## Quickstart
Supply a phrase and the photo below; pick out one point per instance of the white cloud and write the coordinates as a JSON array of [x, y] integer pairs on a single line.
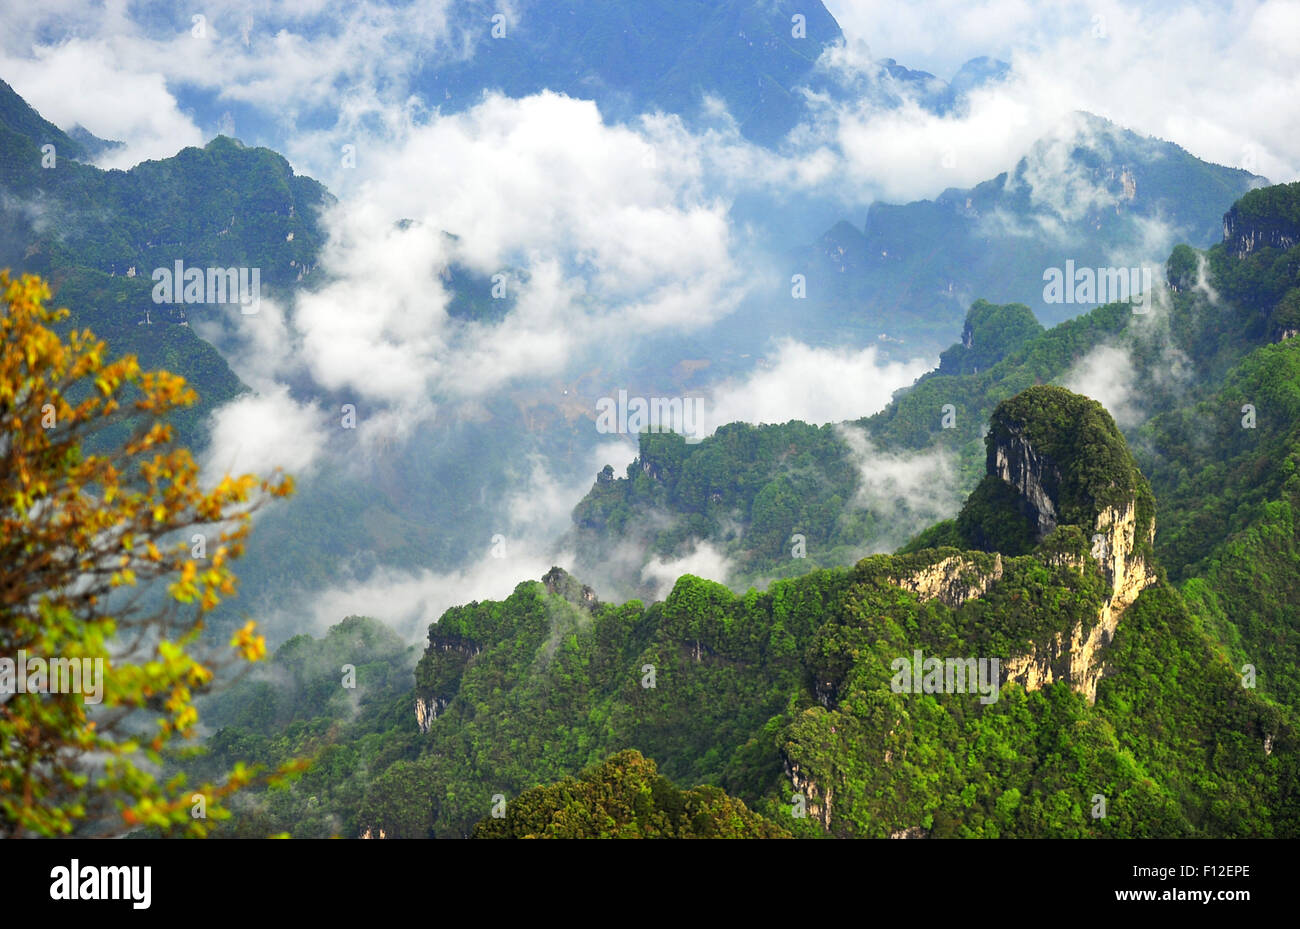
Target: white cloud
[[118, 70], [815, 385], [1218, 79], [79, 83], [409, 602], [600, 243], [260, 432], [1107, 375], [905, 491], [907, 153], [704, 560]]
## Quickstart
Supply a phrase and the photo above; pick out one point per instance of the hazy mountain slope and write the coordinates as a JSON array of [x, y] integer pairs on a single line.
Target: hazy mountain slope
[[748, 490], [796, 691], [99, 235], [1097, 195], [19, 118]]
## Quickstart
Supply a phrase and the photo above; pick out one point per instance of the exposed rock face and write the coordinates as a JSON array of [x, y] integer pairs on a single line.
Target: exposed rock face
[[444, 661], [1129, 181], [1036, 447], [427, 710], [826, 692], [1031, 474], [376, 834], [1077, 658], [1242, 235], [817, 806], [952, 581], [911, 832]]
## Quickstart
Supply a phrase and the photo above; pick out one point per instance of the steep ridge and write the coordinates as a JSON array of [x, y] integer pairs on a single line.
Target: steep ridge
[[747, 489], [1084, 673], [800, 685], [1065, 460], [910, 269]]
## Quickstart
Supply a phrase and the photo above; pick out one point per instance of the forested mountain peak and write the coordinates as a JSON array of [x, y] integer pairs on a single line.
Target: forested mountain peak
[[1065, 459], [1267, 216], [18, 116], [625, 797]]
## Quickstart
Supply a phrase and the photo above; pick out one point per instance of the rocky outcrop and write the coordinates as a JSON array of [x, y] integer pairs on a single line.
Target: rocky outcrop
[[1069, 467], [561, 583], [1077, 656], [439, 671], [1242, 238], [1068, 463], [1246, 227], [911, 832], [1129, 181], [427, 710], [816, 805], [953, 580], [1016, 462]]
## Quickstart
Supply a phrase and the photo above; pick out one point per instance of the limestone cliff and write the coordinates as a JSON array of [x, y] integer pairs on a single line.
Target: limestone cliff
[[438, 673], [427, 710], [1265, 217], [1065, 464], [1242, 236], [1017, 463], [816, 805], [1077, 657], [952, 580]]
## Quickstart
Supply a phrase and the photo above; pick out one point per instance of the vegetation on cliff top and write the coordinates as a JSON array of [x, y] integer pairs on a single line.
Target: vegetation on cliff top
[[625, 797]]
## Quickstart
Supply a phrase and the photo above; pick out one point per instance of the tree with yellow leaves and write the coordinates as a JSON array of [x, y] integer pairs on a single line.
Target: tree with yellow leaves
[[105, 564]]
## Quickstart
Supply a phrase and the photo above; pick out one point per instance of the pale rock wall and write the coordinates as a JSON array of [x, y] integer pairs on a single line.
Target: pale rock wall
[[1078, 659], [952, 581], [1024, 469], [1242, 237], [1075, 657], [817, 806], [427, 710]]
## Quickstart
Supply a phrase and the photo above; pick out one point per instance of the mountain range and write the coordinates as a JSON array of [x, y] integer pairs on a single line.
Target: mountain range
[[1122, 612], [1047, 589]]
